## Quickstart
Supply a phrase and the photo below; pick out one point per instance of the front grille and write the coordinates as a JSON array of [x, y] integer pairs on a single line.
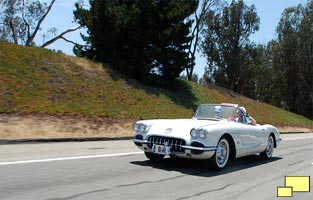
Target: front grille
[[175, 143]]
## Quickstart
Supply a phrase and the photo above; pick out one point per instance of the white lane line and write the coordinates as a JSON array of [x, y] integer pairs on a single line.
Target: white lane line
[[96, 156], [68, 158], [303, 138]]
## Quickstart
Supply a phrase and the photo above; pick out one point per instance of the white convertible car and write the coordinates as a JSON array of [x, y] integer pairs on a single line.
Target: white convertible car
[[216, 132]]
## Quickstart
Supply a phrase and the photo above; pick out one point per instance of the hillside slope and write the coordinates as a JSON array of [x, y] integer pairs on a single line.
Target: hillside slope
[[39, 81]]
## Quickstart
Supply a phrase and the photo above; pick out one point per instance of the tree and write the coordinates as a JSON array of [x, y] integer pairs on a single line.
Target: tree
[[305, 59], [227, 41], [265, 76], [145, 39], [199, 16], [248, 70], [194, 78], [294, 60], [21, 20]]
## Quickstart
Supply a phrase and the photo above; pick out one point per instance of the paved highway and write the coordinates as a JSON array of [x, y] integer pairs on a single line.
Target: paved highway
[[118, 170]]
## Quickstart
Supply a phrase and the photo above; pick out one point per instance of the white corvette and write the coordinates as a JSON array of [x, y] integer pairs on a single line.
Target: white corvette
[[216, 132]]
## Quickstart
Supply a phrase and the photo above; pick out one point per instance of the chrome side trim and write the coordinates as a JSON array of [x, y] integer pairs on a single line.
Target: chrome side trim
[[199, 148]]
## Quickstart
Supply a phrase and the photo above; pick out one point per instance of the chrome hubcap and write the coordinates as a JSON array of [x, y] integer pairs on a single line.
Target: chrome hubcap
[[270, 146], [222, 153]]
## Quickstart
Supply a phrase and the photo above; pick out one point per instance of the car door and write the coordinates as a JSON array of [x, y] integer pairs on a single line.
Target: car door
[[256, 137], [251, 136]]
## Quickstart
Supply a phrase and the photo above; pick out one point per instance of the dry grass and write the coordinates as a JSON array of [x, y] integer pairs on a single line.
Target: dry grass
[[14, 126], [75, 97]]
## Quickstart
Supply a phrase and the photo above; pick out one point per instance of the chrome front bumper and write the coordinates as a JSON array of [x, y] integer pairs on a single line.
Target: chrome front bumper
[[188, 147]]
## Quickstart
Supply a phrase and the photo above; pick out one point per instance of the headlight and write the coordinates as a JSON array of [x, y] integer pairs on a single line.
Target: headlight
[[202, 133], [194, 133], [136, 127], [198, 133], [140, 128]]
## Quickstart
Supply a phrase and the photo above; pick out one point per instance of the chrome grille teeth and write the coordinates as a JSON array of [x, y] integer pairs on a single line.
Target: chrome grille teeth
[[175, 143]]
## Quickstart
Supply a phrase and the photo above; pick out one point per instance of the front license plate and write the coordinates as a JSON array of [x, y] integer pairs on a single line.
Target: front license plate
[[160, 149]]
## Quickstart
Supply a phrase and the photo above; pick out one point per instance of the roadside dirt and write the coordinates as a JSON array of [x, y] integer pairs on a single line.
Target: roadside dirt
[[15, 126]]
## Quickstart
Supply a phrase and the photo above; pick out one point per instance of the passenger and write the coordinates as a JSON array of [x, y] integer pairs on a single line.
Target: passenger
[[239, 117], [251, 120]]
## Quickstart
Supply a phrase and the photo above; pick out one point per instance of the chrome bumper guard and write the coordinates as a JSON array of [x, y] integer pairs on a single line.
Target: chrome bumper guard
[[140, 141], [183, 146]]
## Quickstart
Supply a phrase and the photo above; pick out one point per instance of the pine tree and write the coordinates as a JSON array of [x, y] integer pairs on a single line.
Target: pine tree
[[145, 39]]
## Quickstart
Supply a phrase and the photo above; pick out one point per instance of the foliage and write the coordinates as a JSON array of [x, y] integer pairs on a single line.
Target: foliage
[[199, 15], [264, 78], [20, 21], [291, 61], [147, 40], [229, 53], [35, 80], [279, 73]]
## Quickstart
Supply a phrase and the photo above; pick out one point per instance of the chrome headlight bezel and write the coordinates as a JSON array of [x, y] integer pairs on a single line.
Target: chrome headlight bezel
[[141, 127], [202, 133], [198, 133], [194, 133]]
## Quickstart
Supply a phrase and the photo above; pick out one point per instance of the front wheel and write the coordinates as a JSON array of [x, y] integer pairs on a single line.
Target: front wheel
[[268, 152], [154, 157], [221, 156]]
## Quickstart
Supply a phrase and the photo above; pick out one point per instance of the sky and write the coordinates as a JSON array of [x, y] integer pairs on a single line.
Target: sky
[[61, 17]]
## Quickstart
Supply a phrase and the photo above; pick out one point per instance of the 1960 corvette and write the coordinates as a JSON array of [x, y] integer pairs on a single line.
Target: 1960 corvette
[[216, 132]]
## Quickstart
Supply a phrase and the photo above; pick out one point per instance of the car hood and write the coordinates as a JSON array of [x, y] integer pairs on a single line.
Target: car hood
[[178, 128]]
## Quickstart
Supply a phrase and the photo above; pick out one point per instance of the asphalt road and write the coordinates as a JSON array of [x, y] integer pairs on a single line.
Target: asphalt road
[[118, 170]]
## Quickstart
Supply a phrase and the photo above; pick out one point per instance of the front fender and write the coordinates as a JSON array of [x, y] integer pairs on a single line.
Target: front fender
[[270, 129]]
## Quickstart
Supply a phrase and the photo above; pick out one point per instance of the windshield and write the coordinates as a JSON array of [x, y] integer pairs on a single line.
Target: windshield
[[219, 112]]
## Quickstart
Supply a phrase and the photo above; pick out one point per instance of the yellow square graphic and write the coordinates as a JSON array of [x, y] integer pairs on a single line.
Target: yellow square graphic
[[284, 191], [298, 183]]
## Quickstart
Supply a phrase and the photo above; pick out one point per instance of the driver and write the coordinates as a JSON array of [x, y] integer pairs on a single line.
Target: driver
[[218, 112]]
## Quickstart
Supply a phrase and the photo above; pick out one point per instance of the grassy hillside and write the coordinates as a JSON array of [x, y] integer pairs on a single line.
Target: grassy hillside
[[34, 80]]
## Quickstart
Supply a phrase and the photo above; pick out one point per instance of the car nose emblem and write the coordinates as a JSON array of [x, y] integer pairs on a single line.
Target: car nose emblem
[[168, 130]]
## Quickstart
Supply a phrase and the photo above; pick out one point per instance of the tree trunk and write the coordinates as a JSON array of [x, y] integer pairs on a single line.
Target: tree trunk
[[14, 35]]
